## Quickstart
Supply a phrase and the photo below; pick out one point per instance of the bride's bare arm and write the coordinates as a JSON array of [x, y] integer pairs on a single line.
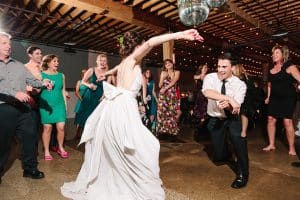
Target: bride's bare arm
[[141, 51]]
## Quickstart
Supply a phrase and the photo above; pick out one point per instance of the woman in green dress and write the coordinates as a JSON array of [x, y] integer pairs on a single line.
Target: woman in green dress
[[94, 91], [53, 105], [80, 92]]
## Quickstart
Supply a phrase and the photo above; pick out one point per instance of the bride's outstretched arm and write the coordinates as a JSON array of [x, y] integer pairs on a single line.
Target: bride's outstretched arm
[[142, 50]]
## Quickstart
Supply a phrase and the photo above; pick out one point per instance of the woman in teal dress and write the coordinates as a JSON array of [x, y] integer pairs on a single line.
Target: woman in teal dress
[[53, 105], [94, 91], [150, 98], [80, 92]]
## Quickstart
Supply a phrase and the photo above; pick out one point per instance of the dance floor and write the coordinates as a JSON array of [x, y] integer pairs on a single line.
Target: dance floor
[[186, 170]]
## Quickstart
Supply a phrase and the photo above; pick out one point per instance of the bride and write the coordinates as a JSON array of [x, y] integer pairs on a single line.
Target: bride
[[121, 158]]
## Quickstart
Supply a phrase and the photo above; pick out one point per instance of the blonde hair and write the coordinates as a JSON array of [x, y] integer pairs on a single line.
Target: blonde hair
[[240, 71], [101, 55], [284, 50]]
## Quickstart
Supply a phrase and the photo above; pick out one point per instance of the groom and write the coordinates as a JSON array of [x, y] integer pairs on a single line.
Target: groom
[[225, 94]]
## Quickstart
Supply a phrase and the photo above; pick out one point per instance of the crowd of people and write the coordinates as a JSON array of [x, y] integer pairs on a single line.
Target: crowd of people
[[120, 116]]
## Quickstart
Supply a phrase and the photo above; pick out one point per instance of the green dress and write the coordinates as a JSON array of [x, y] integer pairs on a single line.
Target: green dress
[[89, 101], [52, 102], [78, 115]]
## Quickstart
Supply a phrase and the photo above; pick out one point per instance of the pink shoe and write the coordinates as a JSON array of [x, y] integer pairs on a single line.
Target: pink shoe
[[48, 158], [63, 154]]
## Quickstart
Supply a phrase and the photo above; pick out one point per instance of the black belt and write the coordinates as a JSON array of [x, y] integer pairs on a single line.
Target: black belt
[[14, 102]]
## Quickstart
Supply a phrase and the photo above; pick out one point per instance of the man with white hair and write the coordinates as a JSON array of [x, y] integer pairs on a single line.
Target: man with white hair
[[15, 117]]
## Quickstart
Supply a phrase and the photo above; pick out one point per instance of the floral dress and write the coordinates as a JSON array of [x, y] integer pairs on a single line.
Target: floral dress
[[167, 109]]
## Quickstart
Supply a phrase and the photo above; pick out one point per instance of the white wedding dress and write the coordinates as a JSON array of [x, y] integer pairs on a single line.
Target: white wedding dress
[[121, 160]]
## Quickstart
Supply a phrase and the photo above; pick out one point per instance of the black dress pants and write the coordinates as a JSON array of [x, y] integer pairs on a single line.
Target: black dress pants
[[219, 128], [13, 121]]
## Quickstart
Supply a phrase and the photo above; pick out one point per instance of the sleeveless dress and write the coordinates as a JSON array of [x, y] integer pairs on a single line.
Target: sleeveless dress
[[82, 91], [121, 160], [90, 101], [168, 104], [283, 95], [151, 101], [52, 103]]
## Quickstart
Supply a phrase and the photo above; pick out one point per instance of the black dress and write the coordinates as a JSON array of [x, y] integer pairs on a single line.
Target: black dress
[[283, 95], [250, 105]]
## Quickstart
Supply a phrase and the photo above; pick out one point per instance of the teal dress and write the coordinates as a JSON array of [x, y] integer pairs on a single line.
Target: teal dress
[[90, 101], [151, 100], [52, 103], [78, 115]]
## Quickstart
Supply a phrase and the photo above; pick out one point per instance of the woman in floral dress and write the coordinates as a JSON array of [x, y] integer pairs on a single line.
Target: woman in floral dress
[[168, 101]]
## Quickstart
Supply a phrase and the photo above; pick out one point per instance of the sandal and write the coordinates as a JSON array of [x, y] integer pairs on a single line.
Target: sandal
[[63, 154]]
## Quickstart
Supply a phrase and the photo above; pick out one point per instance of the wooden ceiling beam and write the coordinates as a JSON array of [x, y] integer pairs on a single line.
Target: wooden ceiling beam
[[115, 10], [245, 16]]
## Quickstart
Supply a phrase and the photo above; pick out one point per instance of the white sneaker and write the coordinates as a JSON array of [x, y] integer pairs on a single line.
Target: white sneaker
[[297, 133]]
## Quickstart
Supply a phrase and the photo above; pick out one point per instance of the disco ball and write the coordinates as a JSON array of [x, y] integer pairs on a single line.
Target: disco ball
[[192, 12], [215, 3]]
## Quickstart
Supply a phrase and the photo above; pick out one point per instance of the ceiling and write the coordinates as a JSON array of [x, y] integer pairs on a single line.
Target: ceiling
[[245, 27]]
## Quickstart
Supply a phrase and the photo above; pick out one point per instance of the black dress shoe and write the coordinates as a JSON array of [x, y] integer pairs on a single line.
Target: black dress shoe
[[240, 182], [34, 174]]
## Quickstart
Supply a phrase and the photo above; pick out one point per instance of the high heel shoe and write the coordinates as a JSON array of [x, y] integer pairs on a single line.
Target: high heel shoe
[[63, 154]]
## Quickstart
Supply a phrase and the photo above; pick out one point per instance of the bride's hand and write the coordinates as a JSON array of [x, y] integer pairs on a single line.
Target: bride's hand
[[191, 34]]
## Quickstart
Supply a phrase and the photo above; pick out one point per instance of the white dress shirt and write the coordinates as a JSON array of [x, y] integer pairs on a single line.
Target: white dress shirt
[[235, 88]]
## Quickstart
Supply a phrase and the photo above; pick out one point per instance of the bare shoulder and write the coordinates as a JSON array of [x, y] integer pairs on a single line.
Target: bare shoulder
[[177, 72]]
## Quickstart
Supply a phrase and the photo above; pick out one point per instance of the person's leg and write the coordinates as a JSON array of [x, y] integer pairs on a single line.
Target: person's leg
[[290, 134], [271, 127], [28, 137], [216, 128], [60, 138], [53, 140], [46, 139], [8, 119], [240, 147]]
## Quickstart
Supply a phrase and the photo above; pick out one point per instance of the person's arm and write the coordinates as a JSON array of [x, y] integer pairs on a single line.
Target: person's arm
[[142, 50], [174, 80], [293, 70], [77, 90], [172, 83], [268, 93], [144, 93], [153, 93], [86, 79], [163, 75], [64, 92], [109, 79], [224, 101]]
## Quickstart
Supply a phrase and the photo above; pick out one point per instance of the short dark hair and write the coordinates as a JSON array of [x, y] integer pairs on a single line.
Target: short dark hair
[[226, 56], [31, 49]]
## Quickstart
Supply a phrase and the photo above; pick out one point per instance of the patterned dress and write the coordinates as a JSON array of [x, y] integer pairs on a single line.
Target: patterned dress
[[168, 105]]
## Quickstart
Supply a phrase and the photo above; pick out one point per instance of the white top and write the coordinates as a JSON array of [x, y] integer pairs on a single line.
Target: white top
[[235, 88]]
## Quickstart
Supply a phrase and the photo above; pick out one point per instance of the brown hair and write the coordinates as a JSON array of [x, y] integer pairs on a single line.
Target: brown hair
[[46, 59], [284, 50], [199, 69], [131, 39], [32, 49], [165, 62]]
